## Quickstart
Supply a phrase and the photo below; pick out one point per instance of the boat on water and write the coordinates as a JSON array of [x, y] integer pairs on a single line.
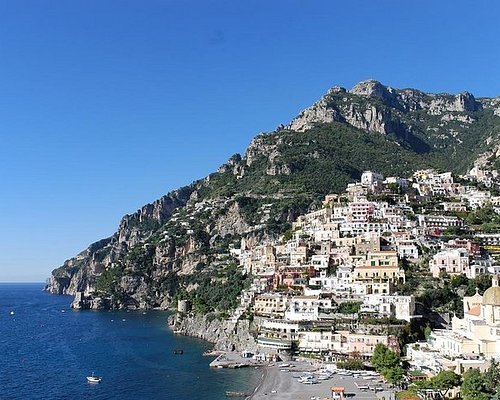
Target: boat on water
[[94, 379]]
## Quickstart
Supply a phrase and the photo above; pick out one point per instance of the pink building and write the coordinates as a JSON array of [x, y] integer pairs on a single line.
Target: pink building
[[365, 344], [360, 211], [452, 262]]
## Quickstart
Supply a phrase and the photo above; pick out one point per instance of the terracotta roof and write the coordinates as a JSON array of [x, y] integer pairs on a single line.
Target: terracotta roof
[[476, 310]]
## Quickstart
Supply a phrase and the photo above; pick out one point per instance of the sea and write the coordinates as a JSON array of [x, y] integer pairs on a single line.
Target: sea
[[47, 350]]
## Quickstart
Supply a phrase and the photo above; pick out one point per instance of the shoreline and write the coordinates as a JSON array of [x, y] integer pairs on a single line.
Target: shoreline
[[278, 382], [260, 383]]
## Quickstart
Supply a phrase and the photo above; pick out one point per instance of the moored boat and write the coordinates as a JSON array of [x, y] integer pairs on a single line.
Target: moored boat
[[94, 379]]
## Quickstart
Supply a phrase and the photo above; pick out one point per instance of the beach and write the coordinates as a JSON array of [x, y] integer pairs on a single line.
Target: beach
[[281, 383]]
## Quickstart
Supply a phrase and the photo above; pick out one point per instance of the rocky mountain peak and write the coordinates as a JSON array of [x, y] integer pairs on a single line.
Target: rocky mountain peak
[[336, 90], [370, 116], [465, 101], [372, 106], [371, 88]]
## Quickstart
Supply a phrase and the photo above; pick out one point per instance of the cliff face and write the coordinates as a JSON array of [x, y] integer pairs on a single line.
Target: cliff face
[[139, 266], [225, 335], [376, 108], [79, 274], [166, 246]]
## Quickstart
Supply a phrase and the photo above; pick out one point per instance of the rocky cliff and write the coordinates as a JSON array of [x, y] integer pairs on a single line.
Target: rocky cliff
[[180, 244], [225, 335], [373, 107]]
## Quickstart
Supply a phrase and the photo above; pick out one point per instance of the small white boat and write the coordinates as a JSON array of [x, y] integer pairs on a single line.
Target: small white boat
[[307, 379], [94, 379]]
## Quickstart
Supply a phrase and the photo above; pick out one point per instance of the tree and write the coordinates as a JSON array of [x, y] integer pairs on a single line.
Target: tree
[[492, 378], [474, 386], [287, 235], [427, 332], [394, 374], [351, 364], [444, 381], [387, 363], [349, 307]]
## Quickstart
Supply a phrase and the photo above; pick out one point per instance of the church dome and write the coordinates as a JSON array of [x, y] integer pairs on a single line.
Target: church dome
[[492, 296]]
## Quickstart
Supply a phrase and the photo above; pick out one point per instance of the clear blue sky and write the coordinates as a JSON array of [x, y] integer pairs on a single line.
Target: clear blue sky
[[107, 105]]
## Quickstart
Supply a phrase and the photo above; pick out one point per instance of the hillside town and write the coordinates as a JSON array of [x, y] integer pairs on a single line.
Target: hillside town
[[337, 284]]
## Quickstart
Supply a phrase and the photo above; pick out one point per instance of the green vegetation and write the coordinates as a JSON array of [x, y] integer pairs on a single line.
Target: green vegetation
[[325, 158], [407, 395], [443, 382], [107, 281], [482, 386], [349, 307], [107, 284], [446, 294], [212, 291], [351, 364], [474, 385], [485, 218], [387, 362]]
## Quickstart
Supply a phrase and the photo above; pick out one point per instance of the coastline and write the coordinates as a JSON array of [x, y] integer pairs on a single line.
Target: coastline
[[260, 383], [279, 383]]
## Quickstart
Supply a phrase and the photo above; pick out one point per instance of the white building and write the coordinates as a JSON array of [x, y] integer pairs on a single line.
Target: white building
[[439, 221], [369, 178], [341, 284], [306, 308], [323, 341], [399, 307], [407, 249], [320, 263], [480, 327], [474, 339], [401, 182], [477, 198], [344, 342]]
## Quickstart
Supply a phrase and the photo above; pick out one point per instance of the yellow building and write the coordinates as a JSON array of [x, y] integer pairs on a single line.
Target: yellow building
[[379, 272], [270, 305]]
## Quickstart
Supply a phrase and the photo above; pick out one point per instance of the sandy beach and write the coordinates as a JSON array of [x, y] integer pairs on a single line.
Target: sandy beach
[[282, 384]]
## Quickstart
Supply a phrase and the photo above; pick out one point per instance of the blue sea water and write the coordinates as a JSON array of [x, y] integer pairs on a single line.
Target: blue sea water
[[48, 349]]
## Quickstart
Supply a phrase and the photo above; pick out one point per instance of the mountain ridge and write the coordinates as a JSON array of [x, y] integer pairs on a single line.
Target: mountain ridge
[[188, 232]]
